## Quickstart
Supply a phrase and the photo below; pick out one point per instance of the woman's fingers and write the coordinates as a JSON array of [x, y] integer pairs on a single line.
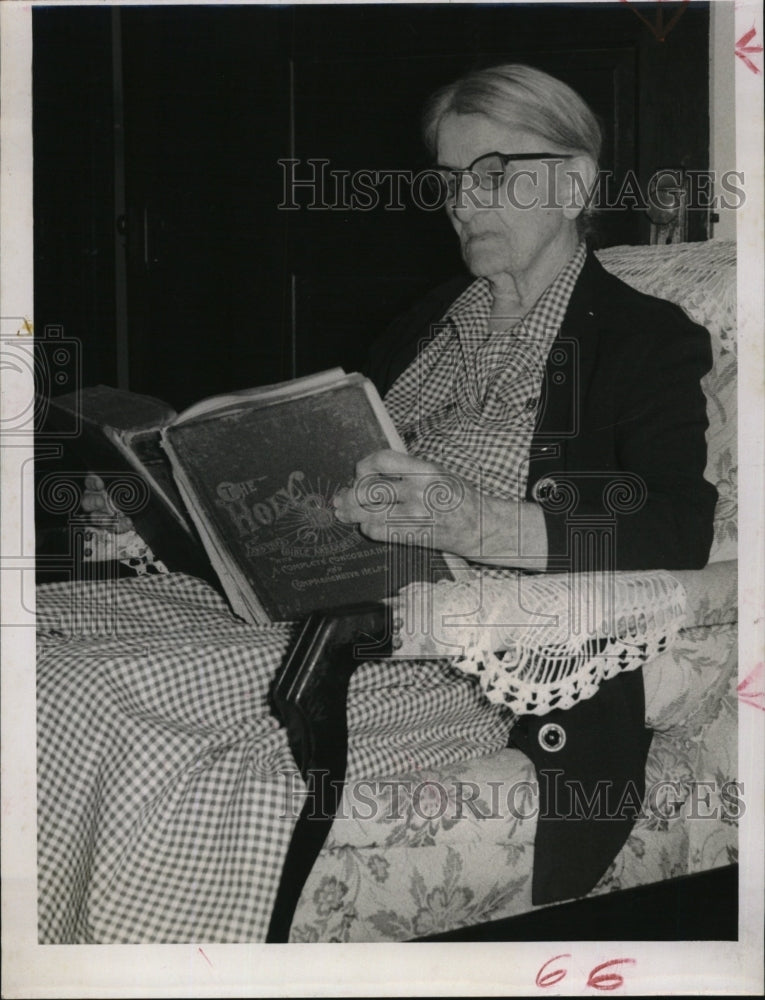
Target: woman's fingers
[[392, 463], [385, 480], [95, 502], [92, 501], [392, 488], [347, 509]]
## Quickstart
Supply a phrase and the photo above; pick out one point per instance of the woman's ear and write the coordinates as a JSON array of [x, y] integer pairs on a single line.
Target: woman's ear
[[578, 179]]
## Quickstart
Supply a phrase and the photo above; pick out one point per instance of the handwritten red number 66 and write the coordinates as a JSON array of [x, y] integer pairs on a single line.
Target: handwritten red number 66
[[598, 979]]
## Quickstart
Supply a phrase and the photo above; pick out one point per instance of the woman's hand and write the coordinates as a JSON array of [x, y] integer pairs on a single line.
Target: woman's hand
[[95, 502], [395, 490]]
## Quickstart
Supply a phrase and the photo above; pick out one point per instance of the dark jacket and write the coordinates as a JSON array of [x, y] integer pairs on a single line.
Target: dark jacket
[[617, 462]]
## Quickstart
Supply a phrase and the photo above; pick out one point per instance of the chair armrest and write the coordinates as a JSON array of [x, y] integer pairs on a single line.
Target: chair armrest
[[712, 593], [543, 641], [684, 685], [711, 599]]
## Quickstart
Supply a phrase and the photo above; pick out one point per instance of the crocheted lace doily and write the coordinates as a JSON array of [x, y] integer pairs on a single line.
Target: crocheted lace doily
[[106, 543], [699, 277], [541, 642]]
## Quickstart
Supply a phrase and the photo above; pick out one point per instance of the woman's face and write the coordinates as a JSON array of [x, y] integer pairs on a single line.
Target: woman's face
[[520, 226]]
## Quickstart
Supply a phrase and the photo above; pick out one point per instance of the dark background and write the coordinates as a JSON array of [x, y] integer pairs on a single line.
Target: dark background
[[159, 244]]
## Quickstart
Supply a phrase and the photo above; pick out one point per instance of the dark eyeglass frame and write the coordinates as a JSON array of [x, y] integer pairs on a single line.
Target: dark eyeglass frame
[[495, 176]]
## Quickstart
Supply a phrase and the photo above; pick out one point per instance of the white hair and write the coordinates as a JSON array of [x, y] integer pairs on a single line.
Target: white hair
[[521, 97]]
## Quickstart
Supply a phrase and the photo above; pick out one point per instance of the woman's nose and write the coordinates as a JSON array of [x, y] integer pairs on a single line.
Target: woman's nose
[[469, 199]]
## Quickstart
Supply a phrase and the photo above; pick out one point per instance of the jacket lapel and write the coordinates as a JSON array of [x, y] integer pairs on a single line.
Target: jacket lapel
[[567, 375], [568, 370]]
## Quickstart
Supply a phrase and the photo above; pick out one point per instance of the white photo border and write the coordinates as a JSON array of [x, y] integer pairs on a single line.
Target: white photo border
[[213, 970]]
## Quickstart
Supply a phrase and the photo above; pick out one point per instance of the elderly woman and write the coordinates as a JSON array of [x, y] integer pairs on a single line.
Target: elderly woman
[[564, 409], [539, 385]]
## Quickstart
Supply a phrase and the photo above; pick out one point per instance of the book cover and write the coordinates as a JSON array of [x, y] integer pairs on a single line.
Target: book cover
[[259, 478]]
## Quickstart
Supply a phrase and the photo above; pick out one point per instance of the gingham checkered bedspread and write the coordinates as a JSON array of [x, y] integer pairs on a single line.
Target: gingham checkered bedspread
[[167, 793]]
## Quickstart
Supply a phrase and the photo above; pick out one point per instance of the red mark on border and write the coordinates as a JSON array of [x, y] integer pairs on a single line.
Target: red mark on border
[[600, 980], [597, 980], [205, 957], [551, 978], [751, 690], [658, 28], [744, 49]]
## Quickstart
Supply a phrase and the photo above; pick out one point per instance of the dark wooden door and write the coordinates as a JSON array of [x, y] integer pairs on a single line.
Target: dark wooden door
[[74, 239], [206, 106]]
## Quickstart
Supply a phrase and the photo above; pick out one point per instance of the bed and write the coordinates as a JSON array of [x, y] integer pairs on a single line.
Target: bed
[[168, 794]]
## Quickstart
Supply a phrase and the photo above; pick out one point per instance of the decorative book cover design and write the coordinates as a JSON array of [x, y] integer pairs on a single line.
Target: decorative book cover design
[[258, 477]]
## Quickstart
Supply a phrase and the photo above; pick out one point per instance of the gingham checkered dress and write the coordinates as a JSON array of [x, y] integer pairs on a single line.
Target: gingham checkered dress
[[469, 401], [167, 793]]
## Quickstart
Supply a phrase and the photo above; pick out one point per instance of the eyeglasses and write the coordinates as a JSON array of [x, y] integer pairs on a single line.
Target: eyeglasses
[[487, 170]]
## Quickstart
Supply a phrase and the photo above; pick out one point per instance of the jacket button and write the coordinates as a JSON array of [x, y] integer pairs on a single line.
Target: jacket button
[[552, 737], [543, 489]]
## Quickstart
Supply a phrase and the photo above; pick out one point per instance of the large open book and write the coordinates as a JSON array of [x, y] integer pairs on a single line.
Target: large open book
[[249, 478]]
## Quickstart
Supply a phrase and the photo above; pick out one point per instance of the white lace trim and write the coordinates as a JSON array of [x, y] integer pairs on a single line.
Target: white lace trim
[[536, 643], [104, 544]]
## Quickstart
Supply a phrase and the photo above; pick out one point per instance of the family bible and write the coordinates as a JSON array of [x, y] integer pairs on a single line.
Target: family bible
[[243, 483]]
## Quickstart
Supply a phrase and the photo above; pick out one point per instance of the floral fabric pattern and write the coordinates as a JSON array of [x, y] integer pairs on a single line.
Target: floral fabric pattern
[[722, 469], [455, 846]]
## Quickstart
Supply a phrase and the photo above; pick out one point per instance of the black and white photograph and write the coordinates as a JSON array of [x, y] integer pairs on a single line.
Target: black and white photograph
[[382, 533]]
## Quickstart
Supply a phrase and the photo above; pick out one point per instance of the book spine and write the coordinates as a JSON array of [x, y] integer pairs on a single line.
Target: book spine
[[383, 417]]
